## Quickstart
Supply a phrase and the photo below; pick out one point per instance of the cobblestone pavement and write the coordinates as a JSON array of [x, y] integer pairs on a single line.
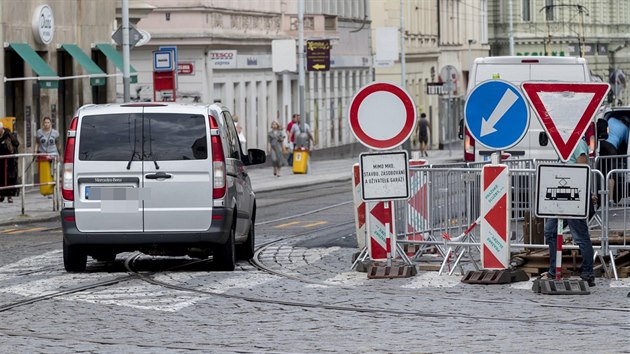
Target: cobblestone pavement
[[426, 313]]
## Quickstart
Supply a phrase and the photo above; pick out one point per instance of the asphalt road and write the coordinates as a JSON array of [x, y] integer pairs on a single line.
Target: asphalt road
[[313, 303]]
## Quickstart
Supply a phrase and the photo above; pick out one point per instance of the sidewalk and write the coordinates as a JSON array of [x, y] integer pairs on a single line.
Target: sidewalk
[[40, 208]]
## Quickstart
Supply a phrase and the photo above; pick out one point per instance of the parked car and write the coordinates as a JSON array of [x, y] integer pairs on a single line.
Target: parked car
[[160, 178]]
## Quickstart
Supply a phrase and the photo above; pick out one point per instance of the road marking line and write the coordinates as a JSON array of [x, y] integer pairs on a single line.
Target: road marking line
[[316, 223], [17, 231], [286, 225], [8, 230]]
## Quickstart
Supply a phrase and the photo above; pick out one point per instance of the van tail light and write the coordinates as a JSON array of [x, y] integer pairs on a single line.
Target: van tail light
[[218, 160], [469, 146], [67, 188]]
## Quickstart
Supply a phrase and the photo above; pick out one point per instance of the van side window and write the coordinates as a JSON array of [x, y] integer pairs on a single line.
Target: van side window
[[232, 135]]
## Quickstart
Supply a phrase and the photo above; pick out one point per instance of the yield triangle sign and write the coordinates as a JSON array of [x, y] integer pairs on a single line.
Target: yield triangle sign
[[564, 110]]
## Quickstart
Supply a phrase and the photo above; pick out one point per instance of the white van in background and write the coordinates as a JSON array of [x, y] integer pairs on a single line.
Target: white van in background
[[517, 69]]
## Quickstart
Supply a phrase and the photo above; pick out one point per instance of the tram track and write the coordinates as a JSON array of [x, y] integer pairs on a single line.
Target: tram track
[[149, 277]]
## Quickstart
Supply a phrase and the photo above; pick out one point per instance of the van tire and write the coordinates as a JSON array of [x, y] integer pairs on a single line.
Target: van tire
[[74, 258], [225, 255], [245, 251]]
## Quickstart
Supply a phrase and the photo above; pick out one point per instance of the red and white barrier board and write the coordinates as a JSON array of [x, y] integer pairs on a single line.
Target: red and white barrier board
[[380, 230], [417, 211], [495, 222], [359, 206]]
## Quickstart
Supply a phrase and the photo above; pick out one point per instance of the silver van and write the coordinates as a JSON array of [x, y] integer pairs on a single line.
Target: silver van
[[163, 179]]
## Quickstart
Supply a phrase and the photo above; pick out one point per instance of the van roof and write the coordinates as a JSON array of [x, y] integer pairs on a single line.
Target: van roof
[[530, 60], [170, 105]]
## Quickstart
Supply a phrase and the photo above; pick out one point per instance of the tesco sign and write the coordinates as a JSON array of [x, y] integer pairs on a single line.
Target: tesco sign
[[224, 59]]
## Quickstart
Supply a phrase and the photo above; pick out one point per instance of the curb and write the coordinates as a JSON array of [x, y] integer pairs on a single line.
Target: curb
[[31, 220]]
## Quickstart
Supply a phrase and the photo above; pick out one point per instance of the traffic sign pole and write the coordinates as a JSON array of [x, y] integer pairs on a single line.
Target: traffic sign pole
[[382, 116], [559, 250]]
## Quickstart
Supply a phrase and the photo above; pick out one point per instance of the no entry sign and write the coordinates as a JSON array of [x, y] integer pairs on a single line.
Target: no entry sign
[[382, 115]]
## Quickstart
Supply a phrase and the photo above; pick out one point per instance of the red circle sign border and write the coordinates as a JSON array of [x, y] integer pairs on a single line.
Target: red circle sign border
[[377, 144]]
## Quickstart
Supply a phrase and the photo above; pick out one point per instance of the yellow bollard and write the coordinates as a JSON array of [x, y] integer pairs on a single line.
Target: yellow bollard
[[300, 160], [45, 175]]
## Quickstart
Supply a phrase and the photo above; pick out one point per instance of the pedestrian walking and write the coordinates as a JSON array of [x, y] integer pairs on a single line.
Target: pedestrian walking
[[615, 144], [8, 166], [301, 134], [241, 134], [291, 140], [47, 142], [423, 134], [275, 147], [579, 231], [47, 138]]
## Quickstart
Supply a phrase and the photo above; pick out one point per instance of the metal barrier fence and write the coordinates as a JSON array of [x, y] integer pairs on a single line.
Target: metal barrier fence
[[442, 215], [25, 162]]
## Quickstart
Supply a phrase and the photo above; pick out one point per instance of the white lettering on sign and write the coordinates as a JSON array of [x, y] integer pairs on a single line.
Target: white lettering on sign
[[493, 193], [385, 176]]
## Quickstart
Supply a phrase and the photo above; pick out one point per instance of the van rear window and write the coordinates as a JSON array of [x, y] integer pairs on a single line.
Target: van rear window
[[155, 136]]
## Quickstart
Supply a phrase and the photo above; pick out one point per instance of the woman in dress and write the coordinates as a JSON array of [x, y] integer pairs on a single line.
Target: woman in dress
[[275, 138]]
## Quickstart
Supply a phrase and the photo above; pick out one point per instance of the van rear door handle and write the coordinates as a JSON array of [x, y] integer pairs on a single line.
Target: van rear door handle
[[159, 175]]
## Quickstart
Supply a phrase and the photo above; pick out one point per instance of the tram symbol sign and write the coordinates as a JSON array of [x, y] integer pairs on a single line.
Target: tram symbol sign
[[565, 110], [382, 115], [562, 191], [496, 114]]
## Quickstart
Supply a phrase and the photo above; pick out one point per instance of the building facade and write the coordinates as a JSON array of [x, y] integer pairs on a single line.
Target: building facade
[[53, 61], [224, 51], [441, 38], [596, 30]]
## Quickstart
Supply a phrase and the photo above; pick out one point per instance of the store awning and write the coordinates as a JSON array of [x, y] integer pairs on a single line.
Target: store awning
[[86, 63], [112, 54], [48, 77]]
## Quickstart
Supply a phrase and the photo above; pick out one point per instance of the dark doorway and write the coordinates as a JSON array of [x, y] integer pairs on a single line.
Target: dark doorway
[[14, 94], [65, 106]]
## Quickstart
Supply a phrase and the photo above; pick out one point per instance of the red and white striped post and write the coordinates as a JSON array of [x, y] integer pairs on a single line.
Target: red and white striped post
[[559, 250]]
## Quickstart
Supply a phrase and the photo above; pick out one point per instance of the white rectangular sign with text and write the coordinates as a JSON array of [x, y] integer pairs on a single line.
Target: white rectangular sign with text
[[384, 176]]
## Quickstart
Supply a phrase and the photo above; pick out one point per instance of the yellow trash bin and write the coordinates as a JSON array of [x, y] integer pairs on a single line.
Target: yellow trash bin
[[8, 123], [45, 175], [300, 160]]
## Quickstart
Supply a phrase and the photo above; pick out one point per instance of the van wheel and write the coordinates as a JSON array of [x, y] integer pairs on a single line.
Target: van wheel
[[245, 251], [74, 258], [225, 255]]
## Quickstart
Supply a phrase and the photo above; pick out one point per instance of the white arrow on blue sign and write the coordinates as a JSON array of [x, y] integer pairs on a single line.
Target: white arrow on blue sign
[[496, 114]]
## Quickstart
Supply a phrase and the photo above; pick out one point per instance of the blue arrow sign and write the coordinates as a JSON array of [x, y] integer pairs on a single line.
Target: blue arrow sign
[[496, 114]]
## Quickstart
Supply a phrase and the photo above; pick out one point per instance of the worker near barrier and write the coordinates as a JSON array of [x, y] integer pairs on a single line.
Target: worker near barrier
[[47, 141], [579, 231], [615, 144], [8, 166]]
